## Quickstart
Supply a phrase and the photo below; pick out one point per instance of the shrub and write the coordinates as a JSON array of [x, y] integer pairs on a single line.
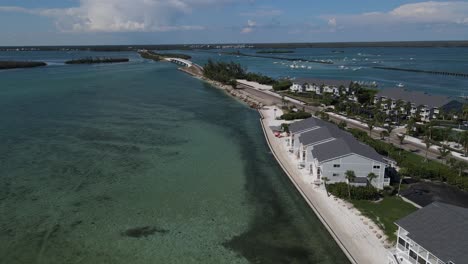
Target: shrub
[[296, 115], [357, 192], [282, 85]]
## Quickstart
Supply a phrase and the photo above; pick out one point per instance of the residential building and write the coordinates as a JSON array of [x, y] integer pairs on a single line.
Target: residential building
[[435, 234], [319, 86], [324, 150], [423, 104]]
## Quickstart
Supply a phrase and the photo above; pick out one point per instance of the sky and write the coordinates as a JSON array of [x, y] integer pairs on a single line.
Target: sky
[[104, 22]]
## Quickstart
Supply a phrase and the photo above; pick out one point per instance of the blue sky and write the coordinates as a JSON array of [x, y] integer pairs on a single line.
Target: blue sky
[[70, 22]]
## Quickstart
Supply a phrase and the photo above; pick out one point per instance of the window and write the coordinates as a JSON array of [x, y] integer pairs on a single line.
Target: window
[[376, 166], [421, 261], [336, 174], [401, 241], [336, 165], [413, 255]]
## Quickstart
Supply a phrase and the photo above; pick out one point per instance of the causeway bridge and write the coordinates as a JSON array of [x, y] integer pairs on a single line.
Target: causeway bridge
[[182, 62]]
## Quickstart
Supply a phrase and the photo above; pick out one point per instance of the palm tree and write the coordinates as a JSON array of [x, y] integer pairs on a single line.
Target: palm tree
[[390, 129], [325, 180], [465, 111], [452, 162], [428, 143], [401, 137], [383, 134], [371, 125], [444, 153], [461, 166], [350, 176], [370, 177], [410, 125], [464, 142], [403, 172], [399, 104], [446, 133]]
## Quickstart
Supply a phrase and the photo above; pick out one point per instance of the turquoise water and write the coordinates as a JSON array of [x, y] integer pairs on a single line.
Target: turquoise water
[[140, 163]]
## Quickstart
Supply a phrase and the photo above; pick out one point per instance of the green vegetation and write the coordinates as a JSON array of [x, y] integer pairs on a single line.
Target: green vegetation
[[296, 115], [343, 190], [259, 78], [161, 56], [224, 72], [91, 60], [282, 85], [20, 64], [385, 212], [416, 165], [274, 51]]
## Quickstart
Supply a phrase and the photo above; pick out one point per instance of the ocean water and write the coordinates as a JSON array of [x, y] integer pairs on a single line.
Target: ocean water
[[356, 64], [140, 163]]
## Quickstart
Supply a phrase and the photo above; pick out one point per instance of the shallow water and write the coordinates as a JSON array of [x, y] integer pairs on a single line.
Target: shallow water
[[140, 163]]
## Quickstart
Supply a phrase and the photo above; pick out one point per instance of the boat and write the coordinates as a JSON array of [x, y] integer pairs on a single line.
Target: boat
[[401, 85]]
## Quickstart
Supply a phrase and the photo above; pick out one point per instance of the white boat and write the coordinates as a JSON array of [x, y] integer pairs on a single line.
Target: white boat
[[401, 85]]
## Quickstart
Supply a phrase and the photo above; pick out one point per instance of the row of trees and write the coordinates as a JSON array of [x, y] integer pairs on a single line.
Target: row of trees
[[20, 64], [92, 60], [229, 72], [419, 167], [368, 192]]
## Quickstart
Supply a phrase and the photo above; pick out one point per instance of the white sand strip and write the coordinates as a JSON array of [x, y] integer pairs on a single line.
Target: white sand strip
[[355, 234]]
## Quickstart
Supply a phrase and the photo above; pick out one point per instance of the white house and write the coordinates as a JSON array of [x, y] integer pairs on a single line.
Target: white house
[[429, 105], [327, 151], [435, 234], [319, 86]]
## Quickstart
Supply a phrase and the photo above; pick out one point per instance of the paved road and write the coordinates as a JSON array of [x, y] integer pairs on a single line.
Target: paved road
[[270, 99]]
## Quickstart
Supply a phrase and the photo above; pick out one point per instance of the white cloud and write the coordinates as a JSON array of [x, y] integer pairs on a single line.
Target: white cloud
[[121, 15], [251, 23], [263, 12], [247, 30], [425, 13], [250, 27]]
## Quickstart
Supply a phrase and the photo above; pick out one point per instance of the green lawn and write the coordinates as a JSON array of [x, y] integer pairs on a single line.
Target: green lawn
[[385, 213]]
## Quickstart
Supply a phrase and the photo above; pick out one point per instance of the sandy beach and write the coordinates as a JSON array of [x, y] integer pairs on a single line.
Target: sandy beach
[[359, 238]]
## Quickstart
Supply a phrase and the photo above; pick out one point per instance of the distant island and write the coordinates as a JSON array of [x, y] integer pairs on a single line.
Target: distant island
[[146, 54], [238, 53], [274, 51], [20, 64], [335, 45], [91, 60]]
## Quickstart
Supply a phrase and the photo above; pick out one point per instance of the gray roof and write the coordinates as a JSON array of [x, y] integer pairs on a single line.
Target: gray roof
[[319, 134], [336, 83], [415, 97], [303, 125], [343, 144], [440, 228]]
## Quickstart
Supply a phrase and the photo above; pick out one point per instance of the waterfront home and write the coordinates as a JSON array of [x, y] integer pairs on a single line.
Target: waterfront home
[[414, 103], [324, 150], [319, 86], [435, 234]]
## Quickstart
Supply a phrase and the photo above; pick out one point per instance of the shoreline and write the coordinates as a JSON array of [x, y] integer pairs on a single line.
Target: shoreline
[[316, 212], [250, 100], [355, 234]]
